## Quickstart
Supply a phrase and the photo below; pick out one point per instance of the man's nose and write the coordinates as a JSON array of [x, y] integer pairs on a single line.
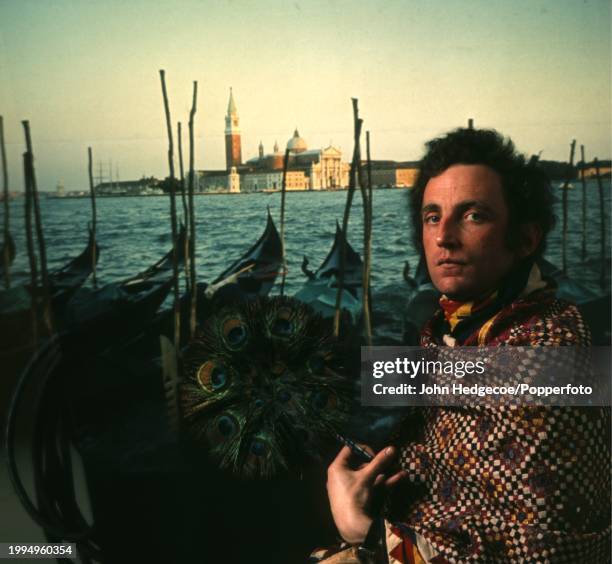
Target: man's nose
[[448, 235]]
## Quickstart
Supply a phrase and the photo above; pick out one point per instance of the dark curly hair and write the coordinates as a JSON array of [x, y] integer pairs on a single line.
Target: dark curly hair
[[526, 188]]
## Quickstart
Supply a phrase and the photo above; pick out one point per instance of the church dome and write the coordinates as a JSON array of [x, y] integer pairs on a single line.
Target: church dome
[[296, 144]]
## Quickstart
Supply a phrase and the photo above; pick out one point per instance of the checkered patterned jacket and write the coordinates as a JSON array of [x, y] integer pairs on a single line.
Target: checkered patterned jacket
[[508, 484]]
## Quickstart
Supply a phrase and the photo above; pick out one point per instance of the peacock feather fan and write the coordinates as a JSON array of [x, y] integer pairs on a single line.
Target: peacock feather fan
[[264, 386]]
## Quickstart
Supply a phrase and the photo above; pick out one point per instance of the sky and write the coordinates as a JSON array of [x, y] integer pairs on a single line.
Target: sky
[[86, 73]]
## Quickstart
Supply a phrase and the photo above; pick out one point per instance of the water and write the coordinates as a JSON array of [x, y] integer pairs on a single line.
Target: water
[[135, 232]]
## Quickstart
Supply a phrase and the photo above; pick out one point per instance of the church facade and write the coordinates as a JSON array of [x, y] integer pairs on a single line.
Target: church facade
[[308, 169], [315, 169]]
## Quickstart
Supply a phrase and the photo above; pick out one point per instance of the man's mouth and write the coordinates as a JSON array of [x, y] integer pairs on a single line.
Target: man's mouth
[[450, 262]]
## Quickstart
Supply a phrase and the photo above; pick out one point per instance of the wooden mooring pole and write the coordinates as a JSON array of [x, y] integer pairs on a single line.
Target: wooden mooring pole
[[42, 250], [367, 246], [564, 190], [92, 193], [179, 137], [186, 216], [355, 166], [602, 225], [176, 307], [192, 227], [8, 242], [282, 221], [30, 248], [583, 249]]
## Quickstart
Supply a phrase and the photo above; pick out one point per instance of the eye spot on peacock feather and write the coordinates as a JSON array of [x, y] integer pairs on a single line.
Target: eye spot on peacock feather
[[278, 368], [284, 396], [227, 426], [213, 376], [223, 428], [323, 399], [316, 364], [235, 333], [258, 448], [282, 326]]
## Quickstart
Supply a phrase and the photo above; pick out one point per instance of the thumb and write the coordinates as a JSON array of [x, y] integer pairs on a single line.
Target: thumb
[[343, 458]]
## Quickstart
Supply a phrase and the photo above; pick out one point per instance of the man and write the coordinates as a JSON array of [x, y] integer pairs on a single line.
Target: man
[[486, 484]]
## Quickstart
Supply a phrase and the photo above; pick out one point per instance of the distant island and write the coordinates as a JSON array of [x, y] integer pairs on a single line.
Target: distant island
[[384, 176], [307, 170]]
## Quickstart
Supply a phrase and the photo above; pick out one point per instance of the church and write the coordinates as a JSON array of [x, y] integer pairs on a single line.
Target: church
[[308, 169]]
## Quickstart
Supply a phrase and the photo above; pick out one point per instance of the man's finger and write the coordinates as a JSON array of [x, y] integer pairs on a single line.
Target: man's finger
[[381, 461], [367, 448], [396, 478], [347, 457]]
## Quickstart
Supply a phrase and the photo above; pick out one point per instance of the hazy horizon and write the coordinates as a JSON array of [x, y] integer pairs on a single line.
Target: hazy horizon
[[87, 74]]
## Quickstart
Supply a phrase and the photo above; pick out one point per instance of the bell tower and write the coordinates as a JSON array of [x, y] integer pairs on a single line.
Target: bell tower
[[233, 150]]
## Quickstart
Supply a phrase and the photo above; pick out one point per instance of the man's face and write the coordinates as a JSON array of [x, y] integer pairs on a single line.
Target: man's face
[[465, 220]]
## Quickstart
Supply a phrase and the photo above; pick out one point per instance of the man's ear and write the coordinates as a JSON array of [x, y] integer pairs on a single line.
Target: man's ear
[[530, 238]]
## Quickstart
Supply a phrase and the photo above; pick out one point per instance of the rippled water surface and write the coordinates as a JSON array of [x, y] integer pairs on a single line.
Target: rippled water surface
[[135, 232]]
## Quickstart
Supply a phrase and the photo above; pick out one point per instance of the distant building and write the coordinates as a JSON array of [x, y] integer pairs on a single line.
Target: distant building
[[590, 171], [233, 182], [212, 180], [314, 169], [12, 195], [256, 181], [144, 186], [392, 174], [307, 169], [233, 147]]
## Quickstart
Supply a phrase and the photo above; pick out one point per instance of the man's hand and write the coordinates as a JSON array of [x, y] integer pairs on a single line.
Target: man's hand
[[352, 490]]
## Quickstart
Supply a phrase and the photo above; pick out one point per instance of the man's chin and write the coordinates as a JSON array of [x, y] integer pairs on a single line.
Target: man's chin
[[456, 292], [460, 293], [458, 297]]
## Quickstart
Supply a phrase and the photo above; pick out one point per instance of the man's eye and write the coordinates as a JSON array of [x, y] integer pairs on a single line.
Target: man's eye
[[431, 218], [476, 217]]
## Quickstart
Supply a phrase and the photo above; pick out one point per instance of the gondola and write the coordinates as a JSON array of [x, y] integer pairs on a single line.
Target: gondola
[[321, 288], [16, 302], [8, 245], [254, 273], [118, 424], [422, 303], [567, 288], [595, 308], [123, 314], [251, 276], [65, 281], [100, 317]]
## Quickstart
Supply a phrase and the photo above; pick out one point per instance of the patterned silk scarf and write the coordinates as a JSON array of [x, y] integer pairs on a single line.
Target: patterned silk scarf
[[461, 319]]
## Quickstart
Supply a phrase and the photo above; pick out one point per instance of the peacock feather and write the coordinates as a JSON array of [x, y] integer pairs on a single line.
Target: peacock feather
[[264, 385]]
